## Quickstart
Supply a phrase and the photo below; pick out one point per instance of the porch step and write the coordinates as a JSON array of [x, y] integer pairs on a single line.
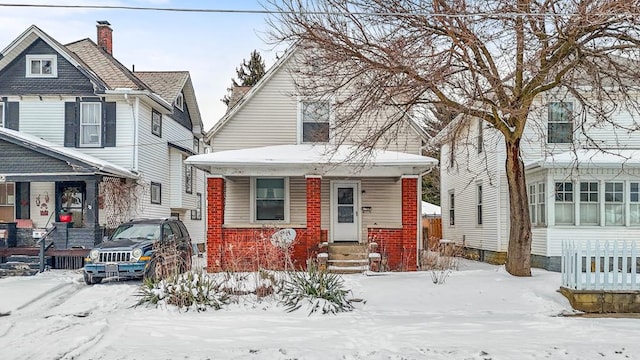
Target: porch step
[[349, 258]]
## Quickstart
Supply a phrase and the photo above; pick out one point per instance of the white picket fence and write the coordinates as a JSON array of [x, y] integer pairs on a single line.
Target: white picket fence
[[600, 265]]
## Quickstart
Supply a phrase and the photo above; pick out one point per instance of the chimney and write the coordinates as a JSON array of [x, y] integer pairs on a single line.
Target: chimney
[[104, 36]]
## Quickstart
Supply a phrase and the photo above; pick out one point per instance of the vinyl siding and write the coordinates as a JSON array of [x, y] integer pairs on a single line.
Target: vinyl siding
[[470, 169], [44, 119]]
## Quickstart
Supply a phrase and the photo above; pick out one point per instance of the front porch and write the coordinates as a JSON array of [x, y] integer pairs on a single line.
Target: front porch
[[327, 198]]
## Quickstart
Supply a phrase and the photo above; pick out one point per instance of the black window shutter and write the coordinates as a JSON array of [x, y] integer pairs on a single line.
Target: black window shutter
[[12, 116], [109, 124], [71, 125]]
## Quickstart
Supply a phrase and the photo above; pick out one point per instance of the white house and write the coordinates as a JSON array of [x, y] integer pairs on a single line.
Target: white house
[[276, 164], [583, 181], [79, 104]]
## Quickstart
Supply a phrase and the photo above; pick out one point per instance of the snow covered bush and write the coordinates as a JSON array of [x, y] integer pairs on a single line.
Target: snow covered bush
[[319, 290], [188, 291]]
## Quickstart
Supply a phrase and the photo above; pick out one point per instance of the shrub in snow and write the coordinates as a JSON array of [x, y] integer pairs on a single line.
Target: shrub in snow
[[319, 290], [187, 291]]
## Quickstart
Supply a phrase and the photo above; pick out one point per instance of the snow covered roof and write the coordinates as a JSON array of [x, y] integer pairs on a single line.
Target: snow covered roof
[[34, 141], [306, 159], [429, 209], [589, 158]]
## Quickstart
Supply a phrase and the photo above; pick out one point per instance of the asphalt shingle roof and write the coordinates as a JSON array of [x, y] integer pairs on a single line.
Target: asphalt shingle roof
[[167, 84]]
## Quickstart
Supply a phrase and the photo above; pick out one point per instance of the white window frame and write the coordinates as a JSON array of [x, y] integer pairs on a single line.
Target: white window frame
[[197, 213], [188, 178], [567, 106], [253, 206], [564, 202], [541, 213], [610, 200], [54, 65], [634, 203], [196, 145], [83, 142], [533, 203], [180, 102], [479, 196], [589, 199], [301, 121], [2, 111]]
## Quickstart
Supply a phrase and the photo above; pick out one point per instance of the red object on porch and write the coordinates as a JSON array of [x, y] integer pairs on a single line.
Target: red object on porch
[[65, 218]]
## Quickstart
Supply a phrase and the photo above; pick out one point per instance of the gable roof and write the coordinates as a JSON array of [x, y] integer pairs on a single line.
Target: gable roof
[[98, 165], [168, 84], [29, 36], [110, 70], [258, 86]]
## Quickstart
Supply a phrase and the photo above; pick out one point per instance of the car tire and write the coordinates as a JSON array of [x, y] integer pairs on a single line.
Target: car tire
[[89, 279], [151, 270]]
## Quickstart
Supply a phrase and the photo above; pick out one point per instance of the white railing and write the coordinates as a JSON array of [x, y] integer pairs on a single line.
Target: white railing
[[600, 265]]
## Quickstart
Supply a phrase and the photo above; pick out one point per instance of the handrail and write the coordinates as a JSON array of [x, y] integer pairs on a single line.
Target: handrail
[[42, 242]]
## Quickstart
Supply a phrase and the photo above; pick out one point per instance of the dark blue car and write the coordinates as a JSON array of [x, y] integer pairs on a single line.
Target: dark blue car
[[140, 248]]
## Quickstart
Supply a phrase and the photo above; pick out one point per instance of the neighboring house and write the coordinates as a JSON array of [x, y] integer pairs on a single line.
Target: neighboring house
[[91, 138], [575, 192], [276, 164]]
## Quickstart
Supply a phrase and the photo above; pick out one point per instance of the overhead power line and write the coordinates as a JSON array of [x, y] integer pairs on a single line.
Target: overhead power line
[[275, 12]]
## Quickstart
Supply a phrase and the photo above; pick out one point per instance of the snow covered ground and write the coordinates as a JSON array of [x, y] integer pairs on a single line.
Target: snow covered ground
[[481, 312]]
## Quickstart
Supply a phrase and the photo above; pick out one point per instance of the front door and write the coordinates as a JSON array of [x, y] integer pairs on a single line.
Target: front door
[[345, 222]]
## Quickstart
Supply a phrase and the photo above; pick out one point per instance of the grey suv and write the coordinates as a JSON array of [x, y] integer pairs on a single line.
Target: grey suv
[[149, 248]]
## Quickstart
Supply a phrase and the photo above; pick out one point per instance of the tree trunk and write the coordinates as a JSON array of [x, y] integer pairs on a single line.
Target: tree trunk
[[519, 251]]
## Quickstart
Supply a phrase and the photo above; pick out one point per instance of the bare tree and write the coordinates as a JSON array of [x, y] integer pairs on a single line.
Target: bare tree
[[486, 59]]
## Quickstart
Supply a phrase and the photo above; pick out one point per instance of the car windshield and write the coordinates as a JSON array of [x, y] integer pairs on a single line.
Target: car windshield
[[137, 232]]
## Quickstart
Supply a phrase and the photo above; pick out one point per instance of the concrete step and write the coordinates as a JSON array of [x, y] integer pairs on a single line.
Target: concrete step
[[348, 263], [347, 249], [347, 269], [358, 256]]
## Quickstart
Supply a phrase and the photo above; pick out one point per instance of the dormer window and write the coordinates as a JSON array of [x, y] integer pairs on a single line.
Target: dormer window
[[315, 117], [180, 102], [42, 66]]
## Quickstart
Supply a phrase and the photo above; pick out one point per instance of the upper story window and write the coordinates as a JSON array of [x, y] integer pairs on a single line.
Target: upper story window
[[480, 138], [91, 124], [180, 102], [156, 123], [1, 114], [315, 118], [42, 66], [188, 179], [560, 123]]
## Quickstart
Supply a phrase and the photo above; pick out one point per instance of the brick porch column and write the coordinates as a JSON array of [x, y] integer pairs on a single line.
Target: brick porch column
[[215, 220], [313, 210], [409, 221]]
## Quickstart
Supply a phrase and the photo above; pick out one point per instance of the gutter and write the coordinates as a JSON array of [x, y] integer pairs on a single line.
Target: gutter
[[153, 96]]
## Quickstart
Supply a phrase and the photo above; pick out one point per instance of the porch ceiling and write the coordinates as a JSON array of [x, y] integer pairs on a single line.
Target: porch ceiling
[[306, 159]]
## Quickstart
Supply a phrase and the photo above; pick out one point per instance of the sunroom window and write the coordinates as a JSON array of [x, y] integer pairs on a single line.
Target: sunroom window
[[614, 203], [589, 203], [634, 203], [564, 203]]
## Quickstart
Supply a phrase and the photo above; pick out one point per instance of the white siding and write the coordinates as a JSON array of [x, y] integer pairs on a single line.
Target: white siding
[[384, 196], [471, 168], [44, 119]]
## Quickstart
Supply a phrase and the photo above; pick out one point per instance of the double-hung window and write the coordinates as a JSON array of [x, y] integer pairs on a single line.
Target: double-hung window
[[156, 123], [156, 193], [533, 198], [270, 199], [188, 179], [560, 123], [589, 203], [41, 66], [541, 213], [564, 203], [452, 208], [614, 203], [91, 124], [479, 203], [316, 116], [634, 203], [537, 212]]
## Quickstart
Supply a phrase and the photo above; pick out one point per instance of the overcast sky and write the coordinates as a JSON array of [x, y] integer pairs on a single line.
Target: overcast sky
[[209, 45]]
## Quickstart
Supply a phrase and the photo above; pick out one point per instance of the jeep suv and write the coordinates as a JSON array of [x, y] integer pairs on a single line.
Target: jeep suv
[[149, 248]]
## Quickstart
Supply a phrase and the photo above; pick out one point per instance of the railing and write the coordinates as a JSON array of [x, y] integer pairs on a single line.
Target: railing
[[43, 246], [600, 265]]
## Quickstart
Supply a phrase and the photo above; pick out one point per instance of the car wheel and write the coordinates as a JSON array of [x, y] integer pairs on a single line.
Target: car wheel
[[91, 280], [153, 270]]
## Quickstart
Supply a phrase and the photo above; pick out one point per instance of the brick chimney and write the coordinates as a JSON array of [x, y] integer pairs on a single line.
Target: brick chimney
[[104, 36]]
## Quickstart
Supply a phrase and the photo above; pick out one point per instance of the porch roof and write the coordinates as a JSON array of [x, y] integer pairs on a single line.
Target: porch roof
[[100, 166], [588, 158], [307, 159]]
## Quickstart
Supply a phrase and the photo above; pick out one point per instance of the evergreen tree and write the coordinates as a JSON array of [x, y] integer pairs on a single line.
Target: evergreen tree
[[248, 74]]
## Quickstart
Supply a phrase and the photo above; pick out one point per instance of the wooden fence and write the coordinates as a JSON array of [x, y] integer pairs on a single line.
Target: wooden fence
[[600, 265], [431, 232]]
